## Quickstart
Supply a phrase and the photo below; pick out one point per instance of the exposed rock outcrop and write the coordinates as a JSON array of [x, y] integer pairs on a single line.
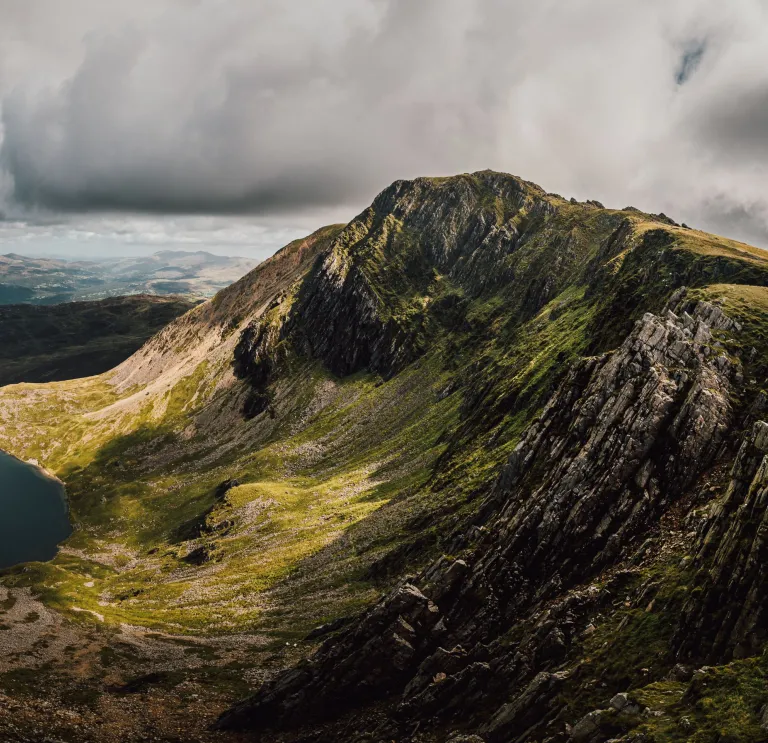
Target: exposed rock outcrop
[[374, 657], [363, 306], [622, 439], [728, 618]]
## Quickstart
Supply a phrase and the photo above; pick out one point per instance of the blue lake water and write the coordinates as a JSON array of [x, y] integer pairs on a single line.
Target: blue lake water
[[34, 517]]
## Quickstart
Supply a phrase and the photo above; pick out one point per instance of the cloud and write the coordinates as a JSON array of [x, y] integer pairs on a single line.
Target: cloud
[[281, 109], [94, 236]]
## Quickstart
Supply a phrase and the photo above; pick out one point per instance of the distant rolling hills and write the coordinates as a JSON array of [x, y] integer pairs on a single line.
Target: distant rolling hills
[[78, 339], [51, 281]]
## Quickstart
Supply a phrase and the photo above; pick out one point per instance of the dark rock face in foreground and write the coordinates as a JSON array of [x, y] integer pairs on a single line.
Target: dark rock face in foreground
[[621, 545], [619, 443], [730, 617]]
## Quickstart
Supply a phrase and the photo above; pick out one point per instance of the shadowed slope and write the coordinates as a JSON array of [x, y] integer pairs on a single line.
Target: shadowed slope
[[79, 339]]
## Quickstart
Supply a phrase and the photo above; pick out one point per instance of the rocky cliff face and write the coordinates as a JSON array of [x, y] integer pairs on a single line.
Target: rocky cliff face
[[489, 639], [727, 618], [366, 304], [619, 443]]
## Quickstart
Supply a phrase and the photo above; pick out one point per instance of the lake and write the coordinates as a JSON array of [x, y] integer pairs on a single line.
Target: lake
[[34, 517]]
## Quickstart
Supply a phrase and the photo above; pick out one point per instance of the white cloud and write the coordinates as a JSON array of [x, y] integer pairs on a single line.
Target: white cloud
[[93, 236], [282, 109]]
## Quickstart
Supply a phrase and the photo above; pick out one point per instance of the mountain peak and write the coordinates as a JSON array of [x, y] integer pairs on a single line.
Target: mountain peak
[[490, 461]]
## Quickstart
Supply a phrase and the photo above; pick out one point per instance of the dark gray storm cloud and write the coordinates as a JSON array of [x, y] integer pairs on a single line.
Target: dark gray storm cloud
[[259, 106], [270, 107]]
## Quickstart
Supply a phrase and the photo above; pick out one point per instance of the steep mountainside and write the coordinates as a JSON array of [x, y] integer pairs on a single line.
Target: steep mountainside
[[78, 339], [482, 465]]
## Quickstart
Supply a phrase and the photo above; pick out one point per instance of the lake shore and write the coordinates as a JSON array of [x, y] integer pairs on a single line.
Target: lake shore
[[34, 512], [36, 465]]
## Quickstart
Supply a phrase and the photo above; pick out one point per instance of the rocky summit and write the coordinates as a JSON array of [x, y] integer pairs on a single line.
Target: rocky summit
[[483, 465]]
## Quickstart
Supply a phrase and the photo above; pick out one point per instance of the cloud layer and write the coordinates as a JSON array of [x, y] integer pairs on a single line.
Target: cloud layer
[[273, 108]]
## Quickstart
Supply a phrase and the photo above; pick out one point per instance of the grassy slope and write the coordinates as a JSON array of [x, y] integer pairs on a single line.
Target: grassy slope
[[337, 450], [345, 472]]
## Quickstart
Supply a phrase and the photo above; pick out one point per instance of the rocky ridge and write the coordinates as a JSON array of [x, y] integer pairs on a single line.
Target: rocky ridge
[[480, 443], [620, 442]]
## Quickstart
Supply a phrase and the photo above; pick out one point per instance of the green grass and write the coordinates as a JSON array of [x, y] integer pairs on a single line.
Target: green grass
[[287, 510], [357, 472], [725, 706]]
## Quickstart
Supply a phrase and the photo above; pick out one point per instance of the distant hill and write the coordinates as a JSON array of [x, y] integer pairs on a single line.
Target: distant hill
[[51, 281], [78, 339]]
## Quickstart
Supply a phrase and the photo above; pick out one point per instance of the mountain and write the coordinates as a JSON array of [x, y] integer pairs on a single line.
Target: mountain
[[484, 464], [51, 281], [78, 339]]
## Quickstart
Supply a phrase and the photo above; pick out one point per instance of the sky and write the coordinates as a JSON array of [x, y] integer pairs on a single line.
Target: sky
[[238, 125]]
